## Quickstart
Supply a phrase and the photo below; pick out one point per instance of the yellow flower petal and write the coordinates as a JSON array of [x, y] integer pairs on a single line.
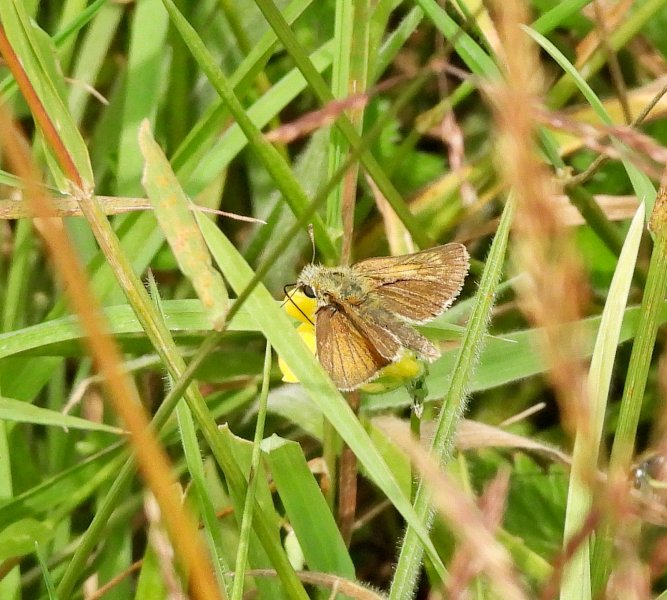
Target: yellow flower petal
[[307, 333]]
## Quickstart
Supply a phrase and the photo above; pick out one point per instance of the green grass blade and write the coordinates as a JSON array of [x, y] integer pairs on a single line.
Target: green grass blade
[[576, 581], [143, 86], [90, 57], [48, 580], [308, 511], [640, 359], [54, 337], [554, 17], [472, 54], [410, 557], [22, 412], [248, 505]]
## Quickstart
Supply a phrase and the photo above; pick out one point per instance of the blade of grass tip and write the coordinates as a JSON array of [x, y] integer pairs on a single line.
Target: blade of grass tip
[[410, 557], [174, 214], [635, 383], [246, 522], [270, 158], [576, 581]]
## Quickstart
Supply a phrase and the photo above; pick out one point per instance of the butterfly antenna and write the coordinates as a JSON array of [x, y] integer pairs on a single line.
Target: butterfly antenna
[[286, 293], [311, 235], [289, 299]]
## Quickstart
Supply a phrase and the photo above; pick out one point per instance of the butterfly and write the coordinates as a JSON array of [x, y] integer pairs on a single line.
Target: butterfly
[[365, 312]]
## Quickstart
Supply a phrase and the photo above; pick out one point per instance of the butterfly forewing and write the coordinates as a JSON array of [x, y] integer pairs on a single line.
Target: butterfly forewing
[[419, 286], [344, 351]]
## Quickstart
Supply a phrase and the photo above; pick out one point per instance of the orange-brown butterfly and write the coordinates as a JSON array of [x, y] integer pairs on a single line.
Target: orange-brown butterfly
[[364, 312]]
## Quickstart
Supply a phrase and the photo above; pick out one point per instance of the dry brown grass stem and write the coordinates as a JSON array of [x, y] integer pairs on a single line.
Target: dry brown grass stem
[[121, 391], [464, 564], [337, 585], [553, 289], [347, 483]]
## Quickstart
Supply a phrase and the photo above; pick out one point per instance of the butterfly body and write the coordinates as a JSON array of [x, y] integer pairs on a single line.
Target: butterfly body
[[365, 312]]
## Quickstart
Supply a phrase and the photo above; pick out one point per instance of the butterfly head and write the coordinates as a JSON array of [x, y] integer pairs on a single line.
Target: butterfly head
[[324, 284]]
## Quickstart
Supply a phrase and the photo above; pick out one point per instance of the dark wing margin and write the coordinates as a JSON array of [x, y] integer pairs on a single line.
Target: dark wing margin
[[344, 351], [421, 286]]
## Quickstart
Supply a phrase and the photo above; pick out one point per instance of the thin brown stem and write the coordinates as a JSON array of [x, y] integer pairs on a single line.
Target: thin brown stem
[[38, 111], [347, 498]]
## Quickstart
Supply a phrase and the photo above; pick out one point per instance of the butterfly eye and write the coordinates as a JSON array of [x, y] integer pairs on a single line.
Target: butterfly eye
[[308, 291]]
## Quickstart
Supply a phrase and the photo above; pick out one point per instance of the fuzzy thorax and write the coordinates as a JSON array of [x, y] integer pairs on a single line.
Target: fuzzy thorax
[[331, 284]]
